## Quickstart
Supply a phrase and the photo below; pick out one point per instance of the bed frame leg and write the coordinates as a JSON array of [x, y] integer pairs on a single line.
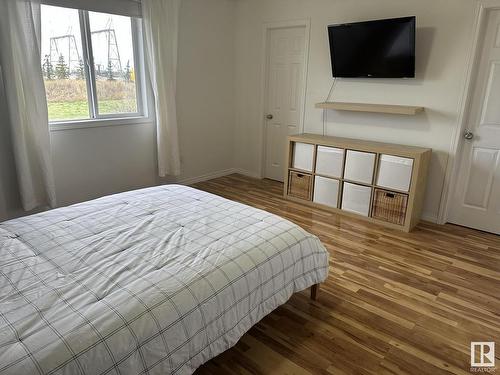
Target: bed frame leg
[[314, 292]]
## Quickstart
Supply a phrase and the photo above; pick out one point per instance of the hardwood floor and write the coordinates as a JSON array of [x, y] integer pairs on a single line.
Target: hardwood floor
[[394, 303]]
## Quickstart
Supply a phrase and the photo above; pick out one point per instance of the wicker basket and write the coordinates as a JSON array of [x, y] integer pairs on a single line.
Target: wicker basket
[[389, 206], [299, 185]]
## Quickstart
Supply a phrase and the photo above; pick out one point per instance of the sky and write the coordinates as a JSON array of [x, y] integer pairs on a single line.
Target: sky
[[58, 21]]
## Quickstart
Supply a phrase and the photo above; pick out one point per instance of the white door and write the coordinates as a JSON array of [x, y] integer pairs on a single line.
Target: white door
[[476, 200], [286, 71]]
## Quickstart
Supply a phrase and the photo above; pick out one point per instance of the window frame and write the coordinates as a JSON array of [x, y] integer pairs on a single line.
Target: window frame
[[95, 119]]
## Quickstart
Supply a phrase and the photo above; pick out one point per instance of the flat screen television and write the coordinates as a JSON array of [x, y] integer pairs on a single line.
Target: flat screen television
[[378, 49]]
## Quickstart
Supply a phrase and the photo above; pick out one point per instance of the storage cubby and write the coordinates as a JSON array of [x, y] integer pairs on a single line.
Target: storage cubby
[[330, 161], [381, 182], [389, 206], [303, 156], [326, 191], [299, 185], [394, 172], [356, 198], [359, 166]]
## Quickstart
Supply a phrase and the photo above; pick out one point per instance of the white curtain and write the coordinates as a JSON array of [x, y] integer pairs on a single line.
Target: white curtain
[[161, 21], [26, 101]]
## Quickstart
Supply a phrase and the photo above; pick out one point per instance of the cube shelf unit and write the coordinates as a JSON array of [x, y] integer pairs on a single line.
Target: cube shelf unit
[[379, 182]]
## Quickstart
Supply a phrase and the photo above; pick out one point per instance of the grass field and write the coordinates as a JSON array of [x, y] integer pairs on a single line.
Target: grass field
[[67, 98], [78, 110]]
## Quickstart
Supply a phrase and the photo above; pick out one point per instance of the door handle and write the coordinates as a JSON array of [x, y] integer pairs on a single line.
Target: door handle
[[468, 135], [269, 117]]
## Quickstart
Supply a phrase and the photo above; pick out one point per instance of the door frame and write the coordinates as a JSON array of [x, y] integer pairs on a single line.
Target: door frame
[[266, 28], [456, 147]]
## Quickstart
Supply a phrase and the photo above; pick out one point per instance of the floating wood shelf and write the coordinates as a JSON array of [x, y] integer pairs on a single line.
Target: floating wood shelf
[[366, 107]]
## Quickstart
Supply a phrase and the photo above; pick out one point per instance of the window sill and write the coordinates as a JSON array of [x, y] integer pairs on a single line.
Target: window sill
[[97, 123]]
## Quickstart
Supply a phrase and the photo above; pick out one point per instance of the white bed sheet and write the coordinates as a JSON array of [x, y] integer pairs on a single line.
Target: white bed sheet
[[153, 281]]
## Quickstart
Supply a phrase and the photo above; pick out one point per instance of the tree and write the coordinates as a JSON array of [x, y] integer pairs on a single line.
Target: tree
[[109, 72], [47, 68], [62, 71], [80, 72], [126, 73]]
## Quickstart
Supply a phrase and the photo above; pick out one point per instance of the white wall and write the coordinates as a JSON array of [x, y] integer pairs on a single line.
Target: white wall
[[93, 162], [89, 163], [443, 43], [205, 94], [124, 157], [219, 96]]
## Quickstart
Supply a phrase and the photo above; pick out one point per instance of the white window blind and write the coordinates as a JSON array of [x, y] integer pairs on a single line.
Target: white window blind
[[130, 8]]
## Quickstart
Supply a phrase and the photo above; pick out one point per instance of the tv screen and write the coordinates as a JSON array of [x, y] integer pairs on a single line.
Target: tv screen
[[378, 49]]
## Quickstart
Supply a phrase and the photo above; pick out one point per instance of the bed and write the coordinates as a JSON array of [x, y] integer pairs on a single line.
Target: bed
[[153, 281]]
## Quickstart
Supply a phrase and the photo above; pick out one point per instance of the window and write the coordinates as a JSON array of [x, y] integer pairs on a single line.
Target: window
[[90, 65]]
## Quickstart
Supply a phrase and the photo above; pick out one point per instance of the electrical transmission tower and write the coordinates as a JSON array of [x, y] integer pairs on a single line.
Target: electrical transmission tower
[[66, 46], [113, 61]]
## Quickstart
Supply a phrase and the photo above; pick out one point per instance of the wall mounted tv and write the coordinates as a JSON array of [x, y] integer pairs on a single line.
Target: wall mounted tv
[[378, 49]]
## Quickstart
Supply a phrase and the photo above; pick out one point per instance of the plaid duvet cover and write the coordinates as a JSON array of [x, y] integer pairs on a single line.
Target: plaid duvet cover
[[153, 281]]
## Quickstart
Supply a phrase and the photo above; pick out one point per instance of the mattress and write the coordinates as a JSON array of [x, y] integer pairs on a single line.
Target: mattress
[[153, 281]]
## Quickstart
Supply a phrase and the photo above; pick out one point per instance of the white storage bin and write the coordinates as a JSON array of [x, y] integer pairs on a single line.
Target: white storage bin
[[326, 191], [329, 161], [394, 172], [356, 198], [303, 154], [359, 166]]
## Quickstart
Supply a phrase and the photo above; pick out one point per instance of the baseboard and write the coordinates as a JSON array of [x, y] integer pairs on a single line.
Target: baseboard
[[216, 174], [206, 177], [246, 172], [429, 216]]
